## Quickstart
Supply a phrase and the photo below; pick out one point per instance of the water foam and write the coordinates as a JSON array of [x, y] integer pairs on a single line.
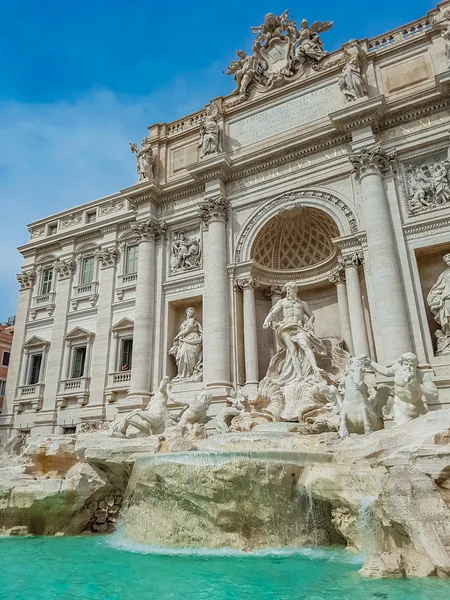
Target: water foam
[[339, 556]]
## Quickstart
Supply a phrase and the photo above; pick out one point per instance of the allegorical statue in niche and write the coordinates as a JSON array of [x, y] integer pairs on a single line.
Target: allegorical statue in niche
[[187, 348], [412, 388], [439, 302], [352, 81], [186, 252], [293, 322], [144, 159], [210, 132]]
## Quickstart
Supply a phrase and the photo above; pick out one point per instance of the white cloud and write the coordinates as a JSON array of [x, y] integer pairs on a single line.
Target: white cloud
[[54, 156]]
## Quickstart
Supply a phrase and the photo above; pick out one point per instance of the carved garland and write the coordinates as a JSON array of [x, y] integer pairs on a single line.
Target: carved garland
[[343, 207]]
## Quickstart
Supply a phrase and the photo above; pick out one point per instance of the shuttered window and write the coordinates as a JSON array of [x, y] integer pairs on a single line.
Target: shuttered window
[[131, 262], [47, 278], [87, 271], [78, 362]]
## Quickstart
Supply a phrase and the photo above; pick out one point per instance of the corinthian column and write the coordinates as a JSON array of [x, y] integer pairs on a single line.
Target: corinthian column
[[338, 278], [350, 263], [144, 317], [250, 333], [388, 306], [216, 311]]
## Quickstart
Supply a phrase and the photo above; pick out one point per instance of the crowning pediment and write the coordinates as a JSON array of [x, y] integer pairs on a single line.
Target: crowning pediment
[[35, 342], [124, 323], [79, 332]]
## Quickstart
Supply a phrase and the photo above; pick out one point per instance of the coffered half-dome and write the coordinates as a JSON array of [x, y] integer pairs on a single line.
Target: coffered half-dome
[[295, 239]]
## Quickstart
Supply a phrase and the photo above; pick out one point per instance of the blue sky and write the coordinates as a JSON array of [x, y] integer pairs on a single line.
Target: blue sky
[[80, 79]]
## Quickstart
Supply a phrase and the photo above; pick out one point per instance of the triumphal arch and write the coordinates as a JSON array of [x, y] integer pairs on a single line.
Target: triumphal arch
[[301, 219]]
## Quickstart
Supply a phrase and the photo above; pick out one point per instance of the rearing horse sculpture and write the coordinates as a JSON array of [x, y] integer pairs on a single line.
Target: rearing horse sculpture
[[357, 412]]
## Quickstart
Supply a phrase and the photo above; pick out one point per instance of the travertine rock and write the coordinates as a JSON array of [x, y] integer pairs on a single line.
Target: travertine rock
[[213, 501]]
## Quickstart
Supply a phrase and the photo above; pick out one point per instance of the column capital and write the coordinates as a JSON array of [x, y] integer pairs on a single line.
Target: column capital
[[337, 276], [149, 230], [214, 209], [371, 160], [64, 268], [107, 257], [26, 279], [356, 259], [246, 283]]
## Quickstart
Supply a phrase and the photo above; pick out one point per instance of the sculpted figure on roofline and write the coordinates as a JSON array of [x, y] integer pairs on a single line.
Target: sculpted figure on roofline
[[281, 51], [144, 159]]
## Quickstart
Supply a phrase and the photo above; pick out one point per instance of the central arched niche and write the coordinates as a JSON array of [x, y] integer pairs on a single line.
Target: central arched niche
[[296, 244], [295, 239]]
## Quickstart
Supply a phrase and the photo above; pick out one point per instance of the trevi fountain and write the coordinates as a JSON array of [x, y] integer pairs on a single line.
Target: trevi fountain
[[232, 378]]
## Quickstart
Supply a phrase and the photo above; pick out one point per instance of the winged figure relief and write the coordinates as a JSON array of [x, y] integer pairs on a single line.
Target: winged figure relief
[[309, 43]]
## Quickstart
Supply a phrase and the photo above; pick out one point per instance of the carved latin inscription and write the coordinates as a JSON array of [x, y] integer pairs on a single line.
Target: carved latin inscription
[[283, 117]]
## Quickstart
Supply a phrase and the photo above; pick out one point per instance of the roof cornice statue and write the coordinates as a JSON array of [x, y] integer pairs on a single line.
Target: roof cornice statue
[[281, 52]]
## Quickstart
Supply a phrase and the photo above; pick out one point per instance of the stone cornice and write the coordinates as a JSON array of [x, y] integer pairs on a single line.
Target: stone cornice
[[216, 167], [145, 191], [424, 228], [181, 285], [360, 113], [355, 241]]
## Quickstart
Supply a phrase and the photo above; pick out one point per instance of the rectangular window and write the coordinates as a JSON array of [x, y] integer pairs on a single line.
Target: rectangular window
[[46, 285], [35, 368], [126, 355], [5, 359], [78, 362], [131, 262], [2, 387], [91, 216], [87, 271], [69, 429], [52, 229]]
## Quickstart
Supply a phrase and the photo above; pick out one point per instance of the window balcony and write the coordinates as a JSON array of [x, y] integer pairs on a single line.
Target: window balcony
[[126, 283], [76, 388], [43, 302], [32, 394], [117, 382], [85, 292]]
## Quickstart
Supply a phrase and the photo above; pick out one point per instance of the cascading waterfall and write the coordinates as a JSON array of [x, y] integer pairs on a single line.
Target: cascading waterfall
[[368, 526], [243, 500]]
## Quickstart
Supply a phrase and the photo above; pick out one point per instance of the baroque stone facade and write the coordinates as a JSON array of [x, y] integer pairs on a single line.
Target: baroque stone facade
[[329, 170]]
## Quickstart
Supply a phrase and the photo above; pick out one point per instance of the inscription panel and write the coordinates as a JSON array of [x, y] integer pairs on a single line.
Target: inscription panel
[[281, 118]]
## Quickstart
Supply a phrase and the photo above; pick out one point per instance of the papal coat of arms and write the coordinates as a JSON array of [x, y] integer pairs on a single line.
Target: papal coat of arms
[[281, 50]]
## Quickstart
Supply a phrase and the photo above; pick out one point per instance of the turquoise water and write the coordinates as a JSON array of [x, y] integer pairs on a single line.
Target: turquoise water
[[93, 568]]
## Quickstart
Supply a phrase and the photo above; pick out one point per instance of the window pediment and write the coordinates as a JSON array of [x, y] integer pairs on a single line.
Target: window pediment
[[78, 333], [36, 342], [124, 323]]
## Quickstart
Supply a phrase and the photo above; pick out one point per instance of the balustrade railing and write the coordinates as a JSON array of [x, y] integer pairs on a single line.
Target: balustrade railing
[[187, 123], [44, 299], [124, 377], [402, 34], [129, 278]]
